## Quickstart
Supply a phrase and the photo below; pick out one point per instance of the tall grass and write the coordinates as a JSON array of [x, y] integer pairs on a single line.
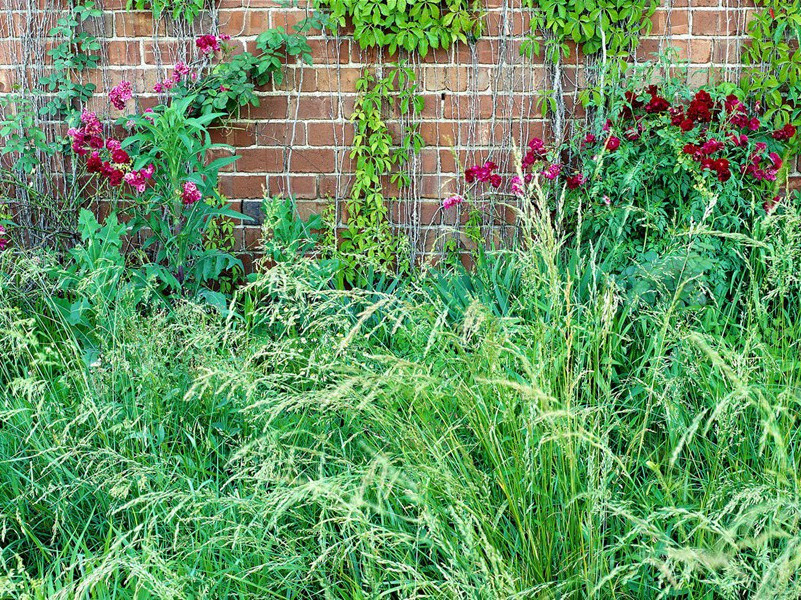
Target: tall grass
[[540, 435]]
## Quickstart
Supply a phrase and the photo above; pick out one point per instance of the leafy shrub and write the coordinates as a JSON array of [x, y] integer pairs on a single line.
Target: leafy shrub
[[668, 164]]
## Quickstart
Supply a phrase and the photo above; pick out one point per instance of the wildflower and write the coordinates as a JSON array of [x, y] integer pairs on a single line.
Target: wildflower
[[588, 139], [91, 124], [607, 200], [701, 107], [190, 194], [120, 94], [495, 180], [613, 143], [207, 44], [446, 204], [687, 125], [96, 142], [112, 145], [676, 115], [138, 179], [116, 177], [3, 239], [483, 173], [754, 124]]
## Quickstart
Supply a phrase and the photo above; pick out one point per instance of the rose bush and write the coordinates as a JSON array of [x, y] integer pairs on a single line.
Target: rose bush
[[668, 183]]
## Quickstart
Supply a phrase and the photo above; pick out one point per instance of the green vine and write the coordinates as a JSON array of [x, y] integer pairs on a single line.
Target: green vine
[[74, 54], [593, 25], [774, 75], [187, 10], [219, 235], [610, 27], [368, 239], [230, 85], [413, 25]]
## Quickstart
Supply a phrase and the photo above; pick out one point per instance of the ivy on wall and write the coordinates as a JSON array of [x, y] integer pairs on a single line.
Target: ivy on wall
[[774, 76], [186, 10], [368, 239], [615, 26], [412, 25]]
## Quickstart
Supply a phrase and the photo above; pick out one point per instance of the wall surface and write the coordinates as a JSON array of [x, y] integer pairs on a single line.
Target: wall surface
[[479, 99]]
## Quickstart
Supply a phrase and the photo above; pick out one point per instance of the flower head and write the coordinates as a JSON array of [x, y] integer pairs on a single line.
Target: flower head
[[452, 201], [207, 44], [120, 94], [576, 181], [190, 194]]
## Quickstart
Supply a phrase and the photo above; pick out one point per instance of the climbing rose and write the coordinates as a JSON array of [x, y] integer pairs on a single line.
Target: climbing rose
[[120, 157], [576, 181], [712, 146], [613, 143], [446, 204], [786, 133], [120, 94], [518, 189], [207, 44], [552, 172]]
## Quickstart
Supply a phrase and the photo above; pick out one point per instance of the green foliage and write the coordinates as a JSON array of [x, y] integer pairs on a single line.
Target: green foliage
[[77, 52], [219, 235], [774, 78], [178, 147], [529, 432], [287, 236], [22, 135], [230, 84], [613, 25], [368, 239], [647, 198], [187, 10], [411, 25]]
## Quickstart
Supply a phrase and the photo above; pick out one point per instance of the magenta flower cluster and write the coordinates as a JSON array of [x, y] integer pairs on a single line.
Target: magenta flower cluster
[[106, 157], [3, 238], [190, 194], [179, 74], [120, 94]]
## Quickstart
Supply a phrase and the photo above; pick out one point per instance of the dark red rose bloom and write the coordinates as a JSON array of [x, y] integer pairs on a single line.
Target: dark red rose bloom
[[120, 157], [93, 163]]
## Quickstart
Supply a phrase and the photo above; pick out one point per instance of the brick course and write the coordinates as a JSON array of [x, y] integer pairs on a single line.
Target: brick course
[[478, 98]]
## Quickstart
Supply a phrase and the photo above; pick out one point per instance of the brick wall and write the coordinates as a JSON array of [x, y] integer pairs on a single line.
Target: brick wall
[[479, 99]]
